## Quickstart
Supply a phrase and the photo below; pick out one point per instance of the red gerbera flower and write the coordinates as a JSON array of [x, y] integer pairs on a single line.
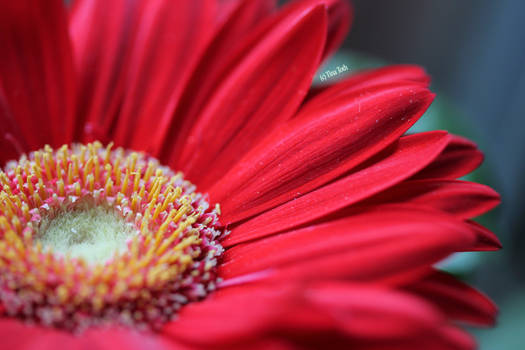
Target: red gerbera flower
[[313, 222]]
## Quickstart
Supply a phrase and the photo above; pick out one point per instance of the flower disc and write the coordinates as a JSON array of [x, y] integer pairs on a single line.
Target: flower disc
[[91, 236]]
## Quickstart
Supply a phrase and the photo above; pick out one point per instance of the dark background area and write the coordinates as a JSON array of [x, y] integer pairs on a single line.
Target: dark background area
[[475, 53]]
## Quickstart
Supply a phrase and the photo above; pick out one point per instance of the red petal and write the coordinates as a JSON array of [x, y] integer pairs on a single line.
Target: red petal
[[265, 89], [486, 240], [36, 71], [231, 316], [364, 317], [238, 20], [12, 144], [459, 198], [460, 157], [317, 147], [170, 39], [366, 78], [458, 300], [306, 315], [373, 244], [115, 338], [365, 312], [314, 316], [17, 335], [102, 33], [339, 21], [443, 338], [409, 155], [261, 343]]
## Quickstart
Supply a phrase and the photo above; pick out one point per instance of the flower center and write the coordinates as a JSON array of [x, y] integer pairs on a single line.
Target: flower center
[[91, 235], [95, 233]]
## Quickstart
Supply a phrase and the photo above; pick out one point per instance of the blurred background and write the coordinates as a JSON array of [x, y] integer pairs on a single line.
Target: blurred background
[[475, 52]]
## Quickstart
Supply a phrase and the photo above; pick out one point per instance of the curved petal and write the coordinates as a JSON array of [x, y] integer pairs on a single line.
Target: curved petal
[[459, 198], [102, 33], [365, 317], [370, 245], [318, 146], [340, 17], [378, 318], [409, 155], [395, 73], [355, 314], [374, 313], [239, 18], [36, 72], [265, 89], [460, 157], [486, 240], [116, 338], [231, 316], [134, 58], [170, 38], [445, 338], [458, 300], [17, 335], [12, 144]]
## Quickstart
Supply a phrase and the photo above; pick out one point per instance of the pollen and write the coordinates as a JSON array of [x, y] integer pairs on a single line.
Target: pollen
[[92, 236]]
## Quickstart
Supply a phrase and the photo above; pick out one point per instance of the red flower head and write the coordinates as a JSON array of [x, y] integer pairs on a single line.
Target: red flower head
[[311, 219]]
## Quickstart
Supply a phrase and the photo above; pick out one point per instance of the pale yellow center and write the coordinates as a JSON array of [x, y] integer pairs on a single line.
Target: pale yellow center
[[95, 233]]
